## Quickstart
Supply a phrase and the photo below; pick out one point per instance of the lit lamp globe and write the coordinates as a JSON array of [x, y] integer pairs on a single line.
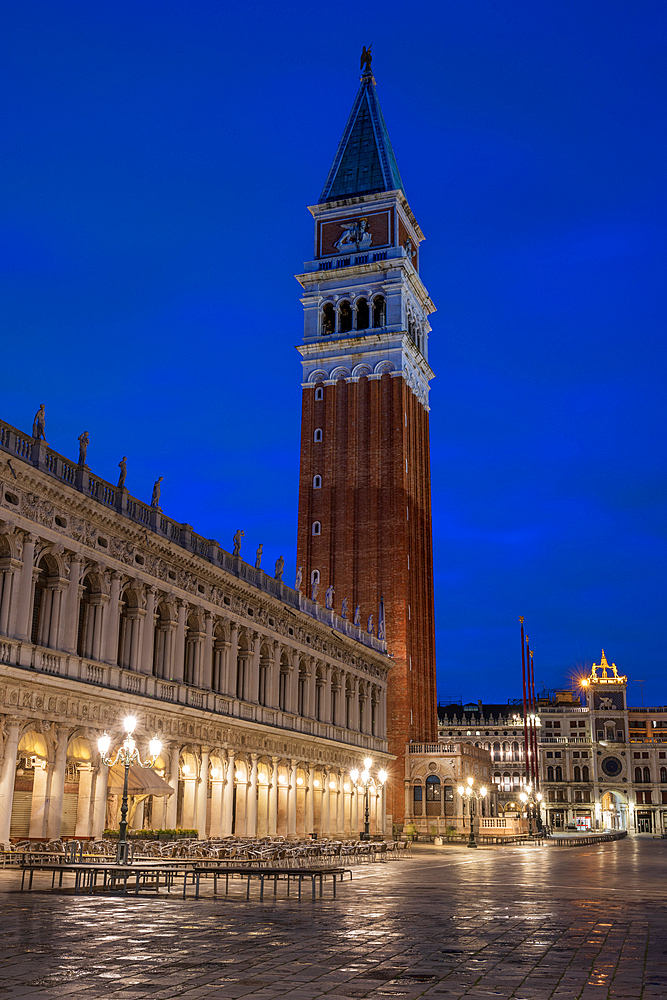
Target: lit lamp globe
[[354, 774], [460, 789], [104, 743]]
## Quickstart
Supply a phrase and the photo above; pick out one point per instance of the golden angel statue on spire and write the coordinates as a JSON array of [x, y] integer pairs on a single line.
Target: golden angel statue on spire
[[366, 59]]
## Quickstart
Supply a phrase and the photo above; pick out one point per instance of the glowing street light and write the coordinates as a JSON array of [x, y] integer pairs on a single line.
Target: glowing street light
[[364, 780], [127, 755], [469, 793]]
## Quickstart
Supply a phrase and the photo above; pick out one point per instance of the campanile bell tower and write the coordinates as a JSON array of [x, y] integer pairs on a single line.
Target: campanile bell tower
[[364, 491]]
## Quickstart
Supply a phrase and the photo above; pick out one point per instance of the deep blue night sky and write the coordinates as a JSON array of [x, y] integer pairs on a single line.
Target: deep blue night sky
[[157, 160]]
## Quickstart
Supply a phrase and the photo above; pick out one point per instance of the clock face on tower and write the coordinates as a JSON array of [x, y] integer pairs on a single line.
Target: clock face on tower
[[612, 766]]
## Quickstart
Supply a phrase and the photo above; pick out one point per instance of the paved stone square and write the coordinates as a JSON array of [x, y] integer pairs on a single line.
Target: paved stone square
[[524, 922]]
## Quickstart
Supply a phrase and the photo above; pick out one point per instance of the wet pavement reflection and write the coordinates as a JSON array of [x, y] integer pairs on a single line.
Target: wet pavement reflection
[[524, 923]]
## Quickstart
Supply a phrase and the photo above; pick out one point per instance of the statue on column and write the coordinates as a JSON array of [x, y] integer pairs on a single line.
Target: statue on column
[[157, 489], [381, 631], [328, 598], [299, 578], [357, 615], [39, 424], [122, 465], [237, 542], [314, 589], [280, 566], [258, 556], [84, 440], [343, 608], [370, 628]]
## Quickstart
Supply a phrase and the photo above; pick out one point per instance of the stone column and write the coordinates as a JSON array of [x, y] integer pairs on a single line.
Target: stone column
[[57, 789], [70, 618], [310, 687], [228, 795], [109, 653], [274, 692], [273, 798], [100, 801], [409, 800], [171, 811], [382, 803], [251, 802], [293, 690], [179, 644], [148, 637], [136, 621], [326, 822], [291, 802], [252, 670], [8, 776], [326, 694], [83, 805], [38, 803], [55, 618], [189, 818], [217, 788], [354, 811], [341, 807], [10, 574], [25, 593], [202, 793], [96, 631], [206, 678], [232, 659], [310, 800]]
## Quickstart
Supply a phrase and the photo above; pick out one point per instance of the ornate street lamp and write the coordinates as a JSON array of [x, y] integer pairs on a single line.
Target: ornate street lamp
[[364, 781], [531, 800], [127, 754], [471, 793]]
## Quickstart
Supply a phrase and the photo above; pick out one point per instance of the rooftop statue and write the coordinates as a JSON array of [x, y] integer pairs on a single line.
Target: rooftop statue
[[237, 542], [157, 489], [280, 566], [122, 465], [366, 59], [84, 440], [299, 578], [258, 556], [343, 608], [328, 599], [39, 423]]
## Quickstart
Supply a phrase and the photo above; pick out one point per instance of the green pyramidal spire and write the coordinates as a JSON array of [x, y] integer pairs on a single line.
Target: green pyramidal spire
[[365, 162]]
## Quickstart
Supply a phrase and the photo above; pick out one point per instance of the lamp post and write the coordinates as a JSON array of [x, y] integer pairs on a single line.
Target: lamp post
[[470, 793], [364, 781], [127, 754], [531, 800]]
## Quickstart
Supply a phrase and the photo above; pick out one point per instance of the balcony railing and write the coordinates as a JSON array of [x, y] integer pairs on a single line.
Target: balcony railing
[[36, 659]]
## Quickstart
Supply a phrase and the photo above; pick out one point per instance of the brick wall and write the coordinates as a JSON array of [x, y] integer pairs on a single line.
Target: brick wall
[[374, 508]]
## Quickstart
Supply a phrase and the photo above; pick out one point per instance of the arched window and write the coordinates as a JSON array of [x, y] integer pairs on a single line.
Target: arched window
[[559, 773], [433, 795], [550, 773], [344, 317], [378, 311], [319, 393], [317, 482], [328, 320], [663, 775], [515, 753], [318, 434], [516, 779], [363, 318], [507, 781], [638, 774], [577, 773], [315, 576], [585, 773], [317, 528], [647, 774]]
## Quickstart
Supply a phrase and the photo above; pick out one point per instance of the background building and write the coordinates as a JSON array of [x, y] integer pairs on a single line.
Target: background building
[[264, 701], [601, 764], [364, 524]]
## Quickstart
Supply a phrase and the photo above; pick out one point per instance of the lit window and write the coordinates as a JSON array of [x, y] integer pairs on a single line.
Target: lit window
[[317, 528], [318, 434], [317, 483]]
